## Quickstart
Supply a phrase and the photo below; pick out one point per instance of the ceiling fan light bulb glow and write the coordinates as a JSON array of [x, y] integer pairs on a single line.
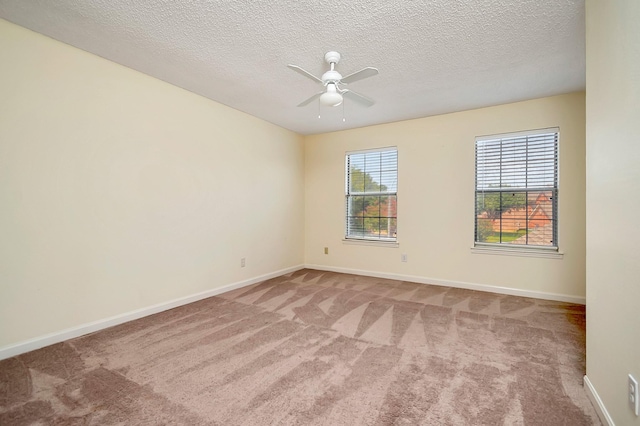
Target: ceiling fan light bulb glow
[[331, 97]]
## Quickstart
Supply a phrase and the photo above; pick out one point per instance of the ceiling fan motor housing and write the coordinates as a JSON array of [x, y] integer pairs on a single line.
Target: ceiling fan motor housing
[[331, 76]]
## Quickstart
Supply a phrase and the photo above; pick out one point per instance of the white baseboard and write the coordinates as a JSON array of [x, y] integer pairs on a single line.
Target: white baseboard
[[458, 284], [70, 333], [597, 402]]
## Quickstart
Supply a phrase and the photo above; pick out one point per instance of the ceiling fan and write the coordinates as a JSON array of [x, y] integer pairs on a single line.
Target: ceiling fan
[[333, 95]]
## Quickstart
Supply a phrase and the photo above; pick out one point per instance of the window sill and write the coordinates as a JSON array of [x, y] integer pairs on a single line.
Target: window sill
[[510, 251], [391, 244]]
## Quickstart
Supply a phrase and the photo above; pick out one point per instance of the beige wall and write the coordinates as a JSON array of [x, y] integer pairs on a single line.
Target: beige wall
[[436, 203], [613, 206], [119, 191]]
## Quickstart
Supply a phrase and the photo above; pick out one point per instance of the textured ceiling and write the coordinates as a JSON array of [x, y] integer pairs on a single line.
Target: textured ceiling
[[434, 56]]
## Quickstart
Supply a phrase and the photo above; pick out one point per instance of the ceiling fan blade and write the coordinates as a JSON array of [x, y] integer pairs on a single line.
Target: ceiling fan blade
[[311, 99], [358, 98], [359, 75], [305, 73]]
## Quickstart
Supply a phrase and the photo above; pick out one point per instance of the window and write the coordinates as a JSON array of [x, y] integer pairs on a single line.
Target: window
[[372, 194], [516, 195]]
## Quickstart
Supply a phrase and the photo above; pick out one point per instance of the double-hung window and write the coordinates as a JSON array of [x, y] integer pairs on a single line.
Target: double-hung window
[[372, 194], [516, 196]]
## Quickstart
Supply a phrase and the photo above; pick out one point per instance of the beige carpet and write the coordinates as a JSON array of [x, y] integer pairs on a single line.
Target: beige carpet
[[316, 348]]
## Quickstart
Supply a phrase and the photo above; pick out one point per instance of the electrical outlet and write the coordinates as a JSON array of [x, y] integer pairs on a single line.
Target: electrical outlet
[[403, 258], [242, 263], [634, 395], [326, 250]]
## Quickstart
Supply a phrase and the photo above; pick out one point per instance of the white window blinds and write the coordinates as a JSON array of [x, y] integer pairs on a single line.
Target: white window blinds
[[517, 188], [371, 194]]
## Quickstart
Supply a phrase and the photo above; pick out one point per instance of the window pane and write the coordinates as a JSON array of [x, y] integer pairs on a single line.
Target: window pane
[[355, 227], [372, 206], [388, 180], [356, 206], [393, 228], [488, 204], [510, 207], [374, 173], [388, 228], [388, 206], [372, 227], [356, 177], [485, 232], [513, 217]]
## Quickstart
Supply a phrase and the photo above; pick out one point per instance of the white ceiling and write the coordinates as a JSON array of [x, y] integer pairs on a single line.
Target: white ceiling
[[434, 56]]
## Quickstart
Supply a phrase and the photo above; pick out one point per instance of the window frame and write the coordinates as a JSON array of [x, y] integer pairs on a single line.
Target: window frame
[[552, 250], [364, 239]]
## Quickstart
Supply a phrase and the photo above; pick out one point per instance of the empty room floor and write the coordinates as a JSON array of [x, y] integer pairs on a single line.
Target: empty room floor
[[315, 347]]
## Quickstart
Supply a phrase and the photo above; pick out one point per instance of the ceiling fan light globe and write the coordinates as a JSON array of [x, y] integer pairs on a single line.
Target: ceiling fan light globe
[[331, 99]]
